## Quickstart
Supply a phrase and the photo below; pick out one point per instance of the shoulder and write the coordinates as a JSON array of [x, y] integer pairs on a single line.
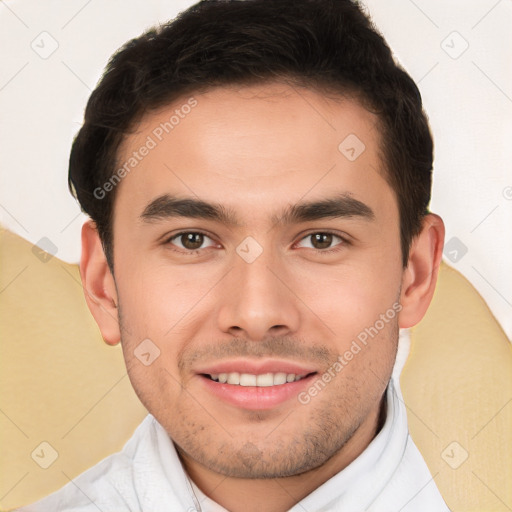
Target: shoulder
[[110, 483], [411, 488]]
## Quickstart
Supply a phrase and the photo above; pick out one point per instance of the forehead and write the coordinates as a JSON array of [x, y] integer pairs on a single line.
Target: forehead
[[254, 148]]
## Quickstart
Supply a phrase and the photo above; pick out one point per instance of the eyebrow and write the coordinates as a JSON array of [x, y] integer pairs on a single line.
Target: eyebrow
[[340, 206]]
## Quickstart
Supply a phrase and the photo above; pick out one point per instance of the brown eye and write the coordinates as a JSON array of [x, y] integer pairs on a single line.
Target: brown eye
[[192, 240], [189, 242], [321, 240], [324, 242]]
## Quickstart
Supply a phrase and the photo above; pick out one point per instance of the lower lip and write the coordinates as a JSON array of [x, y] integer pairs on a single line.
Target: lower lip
[[255, 397]]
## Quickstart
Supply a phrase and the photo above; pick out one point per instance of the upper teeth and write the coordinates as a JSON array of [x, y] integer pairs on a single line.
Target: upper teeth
[[262, 380]]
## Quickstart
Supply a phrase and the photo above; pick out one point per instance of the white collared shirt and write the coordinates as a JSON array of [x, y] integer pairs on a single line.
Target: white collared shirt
[[390, 475]]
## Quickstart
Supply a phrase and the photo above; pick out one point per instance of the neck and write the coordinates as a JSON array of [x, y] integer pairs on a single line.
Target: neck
[[280, 494]]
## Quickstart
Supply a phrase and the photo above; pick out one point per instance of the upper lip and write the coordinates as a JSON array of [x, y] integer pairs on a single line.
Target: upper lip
[[255, 367]]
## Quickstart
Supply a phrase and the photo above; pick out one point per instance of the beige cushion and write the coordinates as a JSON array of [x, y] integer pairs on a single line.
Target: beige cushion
[[457, 385], [60, 383], [63, 386]]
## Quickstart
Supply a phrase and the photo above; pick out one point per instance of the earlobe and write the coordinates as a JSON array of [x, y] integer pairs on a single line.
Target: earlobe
[[420, 276], [99, 285]]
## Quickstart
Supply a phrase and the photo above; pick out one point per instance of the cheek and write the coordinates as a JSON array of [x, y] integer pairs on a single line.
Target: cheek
[[156, 300], [351, 298], [161, 306], [359, 304]]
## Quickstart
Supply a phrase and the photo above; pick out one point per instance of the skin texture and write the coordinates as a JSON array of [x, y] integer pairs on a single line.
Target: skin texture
[[258, 150]]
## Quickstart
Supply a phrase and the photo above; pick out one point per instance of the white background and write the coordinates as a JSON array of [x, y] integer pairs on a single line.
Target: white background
[[467, 94]]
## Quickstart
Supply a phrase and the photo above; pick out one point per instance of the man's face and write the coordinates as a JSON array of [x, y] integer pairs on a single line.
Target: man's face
[[268, 293]]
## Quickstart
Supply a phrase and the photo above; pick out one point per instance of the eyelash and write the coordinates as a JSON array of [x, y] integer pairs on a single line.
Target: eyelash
[[190, 252]]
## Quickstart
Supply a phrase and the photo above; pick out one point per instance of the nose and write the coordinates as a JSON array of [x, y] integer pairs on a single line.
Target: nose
[[257, 299]]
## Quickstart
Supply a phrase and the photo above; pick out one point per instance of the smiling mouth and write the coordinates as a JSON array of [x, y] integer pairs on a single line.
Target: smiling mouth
[[260, 380]]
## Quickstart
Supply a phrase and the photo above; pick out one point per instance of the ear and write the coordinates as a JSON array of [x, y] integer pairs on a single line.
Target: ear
[[420, 277], [99, 285]]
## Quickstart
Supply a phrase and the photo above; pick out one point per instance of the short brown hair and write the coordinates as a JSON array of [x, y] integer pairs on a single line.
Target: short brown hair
[[323, 44]]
